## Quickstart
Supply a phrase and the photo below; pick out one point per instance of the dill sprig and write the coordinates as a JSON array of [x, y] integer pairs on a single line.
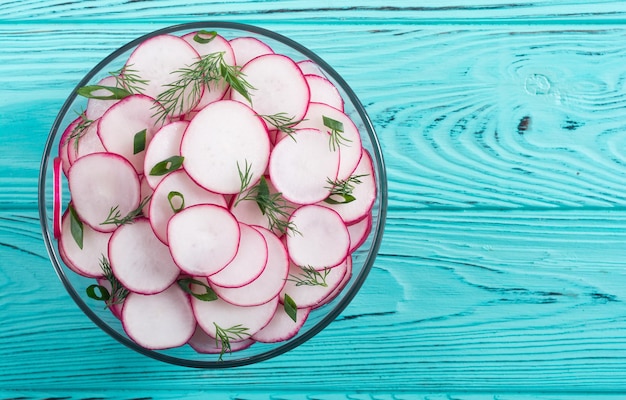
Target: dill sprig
[[272, 205], [336, 133], [342, 188], [79, 129], [187, 89], [224, 336], [118, 292], [283, 122], [310, 277], [115, 216], [128, 78]]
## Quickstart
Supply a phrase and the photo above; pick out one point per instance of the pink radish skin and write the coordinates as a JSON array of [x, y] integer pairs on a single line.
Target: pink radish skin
[[364, 192], [85, 261], [100, 181], [300, 168], [323, 240], [205, 344], [203, 239], [280, 86], [161, 211], [139, 260], [159, 321], [281, 327], [350, 150], [216, 90], [96, 107], [266, 286], [64, 143], [358, 232], [323, 91], [310, 295], [119, 124], [57, 171], [159, 60], [226, 315], [247, 48], [249, 262], [164, 144], [222, 138]]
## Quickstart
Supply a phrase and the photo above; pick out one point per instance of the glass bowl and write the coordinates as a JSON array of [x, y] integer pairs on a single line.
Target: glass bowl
[[76, 285]]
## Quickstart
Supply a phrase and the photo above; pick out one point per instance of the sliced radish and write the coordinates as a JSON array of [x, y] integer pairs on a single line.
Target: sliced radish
[[309, 67], [349, 148], [139, 260], [216, 89], [309, 295], [341, 286], [225, 315], [281, 327], [205, 344], [279, 86], [159, 321], [159, 60], [97, 107], [249, 262], [266, 286], [364, 193], [358, 231], [116, 307], [122, 124], [323, 91], [64, 144], [84, 261], [323, 239], [99, 183], [146, 193], [246, 48], [57, 190], [164, 144], [177, 190], [224, 138], [203, 238], [301, 168], [88, 142]]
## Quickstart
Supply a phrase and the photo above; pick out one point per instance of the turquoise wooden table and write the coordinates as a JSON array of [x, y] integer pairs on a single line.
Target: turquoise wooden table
[[502, 272]]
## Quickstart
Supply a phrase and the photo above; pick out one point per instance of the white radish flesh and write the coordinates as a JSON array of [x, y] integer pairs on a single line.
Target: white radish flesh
[[64, 143], [266, 286], [247, 48], [84, 261], [249, 262], [346, 278], [323, 91], [225, 315], [281, 327], [86, 143], [349, 148], [220, 141], [203, 239], [131, 116], [139, 260], [309, 67], [364, 193], [97, 107], [301, 167], [164, 144], [167, 197], [159, 321], [279, 86], [159, 61], [100, 182], [323, 240], [358, 232]]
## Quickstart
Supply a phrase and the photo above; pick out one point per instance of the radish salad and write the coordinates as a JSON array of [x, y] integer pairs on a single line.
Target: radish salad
[[217, 193]]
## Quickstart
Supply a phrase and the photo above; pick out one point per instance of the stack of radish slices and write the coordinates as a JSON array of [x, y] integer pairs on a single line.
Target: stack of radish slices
[[218, 191]]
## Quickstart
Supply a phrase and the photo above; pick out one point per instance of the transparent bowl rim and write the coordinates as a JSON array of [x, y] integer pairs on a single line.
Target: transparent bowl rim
[[333, 313]]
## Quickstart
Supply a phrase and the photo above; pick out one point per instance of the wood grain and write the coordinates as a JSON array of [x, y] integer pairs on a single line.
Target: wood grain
[[501, 273]]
